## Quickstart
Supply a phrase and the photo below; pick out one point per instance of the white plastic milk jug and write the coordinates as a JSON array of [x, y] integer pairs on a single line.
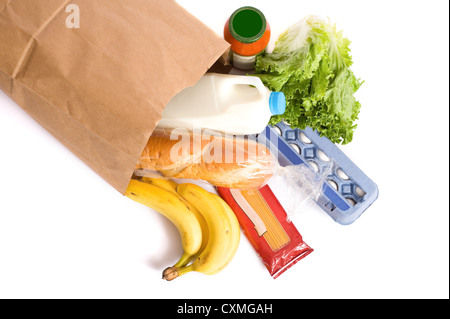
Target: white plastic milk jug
[[233, 104]]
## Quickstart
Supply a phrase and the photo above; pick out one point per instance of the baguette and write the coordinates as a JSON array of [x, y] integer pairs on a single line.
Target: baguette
[[222, 161]]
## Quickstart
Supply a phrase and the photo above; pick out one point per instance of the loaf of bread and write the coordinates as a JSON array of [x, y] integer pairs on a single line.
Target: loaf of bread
[[230, 162]]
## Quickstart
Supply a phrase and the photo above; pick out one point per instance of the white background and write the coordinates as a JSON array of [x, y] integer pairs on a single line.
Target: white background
[[65, 233]]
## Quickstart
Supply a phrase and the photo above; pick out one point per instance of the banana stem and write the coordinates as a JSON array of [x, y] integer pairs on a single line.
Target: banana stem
[[184, 260], [171, 273]]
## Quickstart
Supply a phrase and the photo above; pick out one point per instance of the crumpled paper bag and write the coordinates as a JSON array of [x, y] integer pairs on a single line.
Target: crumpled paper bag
[[100, 88]]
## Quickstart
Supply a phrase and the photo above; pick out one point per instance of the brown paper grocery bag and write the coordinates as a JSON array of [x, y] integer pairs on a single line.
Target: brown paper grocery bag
[[98, 77]]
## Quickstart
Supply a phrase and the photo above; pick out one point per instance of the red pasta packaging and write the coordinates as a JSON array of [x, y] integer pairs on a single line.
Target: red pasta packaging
[[265, 223]]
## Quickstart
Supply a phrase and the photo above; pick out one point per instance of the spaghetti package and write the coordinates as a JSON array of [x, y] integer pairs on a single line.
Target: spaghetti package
[[266, 225]]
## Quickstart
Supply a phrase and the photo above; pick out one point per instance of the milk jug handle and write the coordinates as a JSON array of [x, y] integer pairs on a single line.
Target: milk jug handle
[[249, 80]]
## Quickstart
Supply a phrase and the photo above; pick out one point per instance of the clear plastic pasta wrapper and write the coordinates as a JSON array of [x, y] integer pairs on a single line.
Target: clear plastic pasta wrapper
[[234, 162], [298, 187]]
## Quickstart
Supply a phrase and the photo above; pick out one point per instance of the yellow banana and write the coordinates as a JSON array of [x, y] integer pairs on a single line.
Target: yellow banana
[[171, 186], [224, 233], [175, 209], [165, 184], [235, 234]]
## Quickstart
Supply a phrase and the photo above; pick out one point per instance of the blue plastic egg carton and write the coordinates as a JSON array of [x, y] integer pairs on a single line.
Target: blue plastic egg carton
[[347, 193]]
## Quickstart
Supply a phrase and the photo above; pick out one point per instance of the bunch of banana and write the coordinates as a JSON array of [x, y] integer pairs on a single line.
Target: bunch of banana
[[210, 232]]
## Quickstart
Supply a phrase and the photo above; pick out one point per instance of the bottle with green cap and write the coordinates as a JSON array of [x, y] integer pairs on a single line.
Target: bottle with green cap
[[248, 32], [232, 104]]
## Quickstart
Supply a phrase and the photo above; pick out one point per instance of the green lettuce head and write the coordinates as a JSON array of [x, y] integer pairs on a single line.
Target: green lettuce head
[[311, 66]]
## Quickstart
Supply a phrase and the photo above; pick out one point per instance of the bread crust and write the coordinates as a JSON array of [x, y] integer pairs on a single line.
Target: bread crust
[[229, 162]]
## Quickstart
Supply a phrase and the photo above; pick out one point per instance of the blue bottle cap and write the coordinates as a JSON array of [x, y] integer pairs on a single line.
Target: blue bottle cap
[[277, 103]]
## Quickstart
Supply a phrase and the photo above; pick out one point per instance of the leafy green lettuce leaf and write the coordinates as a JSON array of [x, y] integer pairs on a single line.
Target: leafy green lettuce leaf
[[311, 66]]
